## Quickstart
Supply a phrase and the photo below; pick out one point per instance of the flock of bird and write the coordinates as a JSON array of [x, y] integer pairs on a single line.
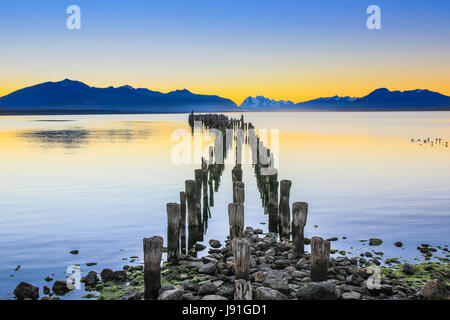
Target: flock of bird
[[431, 142]]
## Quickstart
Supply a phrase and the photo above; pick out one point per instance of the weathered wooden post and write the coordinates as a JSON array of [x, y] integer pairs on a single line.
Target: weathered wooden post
[[183, 221], [236, 173], [191, 196], [320, 256], [236, 219], [173, 231], [238, 192], [284, 210], [153, 248], [242, 290], [272, 205], [198, 182], [193, 213], [241, 253], [299, 215]]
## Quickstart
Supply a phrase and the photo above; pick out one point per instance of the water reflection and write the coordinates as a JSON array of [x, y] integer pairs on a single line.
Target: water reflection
[[76, 138]]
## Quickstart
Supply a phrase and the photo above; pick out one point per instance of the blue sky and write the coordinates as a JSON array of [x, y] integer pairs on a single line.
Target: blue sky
[[283, 49]]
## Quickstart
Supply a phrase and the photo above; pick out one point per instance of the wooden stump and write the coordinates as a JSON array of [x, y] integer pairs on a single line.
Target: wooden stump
[[191, 202], [153, 248], [236, 219], [299, 215], [241, 254], [238, 192], [173, 231], [242, 290], [320, 256], [272, 206], [284, 210], [183, 221], [198, 194], [236, 173]]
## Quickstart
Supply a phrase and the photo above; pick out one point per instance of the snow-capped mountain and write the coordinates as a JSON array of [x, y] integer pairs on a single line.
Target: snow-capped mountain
[[263, 103]]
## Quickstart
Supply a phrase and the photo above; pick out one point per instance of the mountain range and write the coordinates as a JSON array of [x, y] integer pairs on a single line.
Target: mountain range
[[70, 96], [75, 97]]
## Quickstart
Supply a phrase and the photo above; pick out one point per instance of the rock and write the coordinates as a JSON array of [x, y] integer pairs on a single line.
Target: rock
[[214, 297], [368, 254], [318, 291], [257, 231], [299, 275], [60, 287], [408, 269], [107, 275], [25, 290], [120, 275], [375, 242], [175, 294], [188, 285], [74, 252], [91, 278], [90, 264], [226, 291], [333, 239], [209, 268], [208, 259], [354, 280], [134, 296], [199, 247], [264, 293], [270, 252], [279, 284], [48, 279], [166, 287], [189, 296], [260, 276], [215, 243], [434, 290], [46, 290], [399, 244], [352, 295], [301, 263], [207, 288], [384, 289], [290, 270]]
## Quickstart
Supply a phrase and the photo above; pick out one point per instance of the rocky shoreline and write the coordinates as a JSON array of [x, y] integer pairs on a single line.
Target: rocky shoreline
[[275, 274]]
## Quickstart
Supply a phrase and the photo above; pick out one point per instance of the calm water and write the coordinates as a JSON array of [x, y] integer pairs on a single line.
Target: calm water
[[99, 184]]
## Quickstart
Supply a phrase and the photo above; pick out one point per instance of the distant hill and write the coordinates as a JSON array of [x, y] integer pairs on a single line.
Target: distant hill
[[74, 97], [381, 100], [70, 96]]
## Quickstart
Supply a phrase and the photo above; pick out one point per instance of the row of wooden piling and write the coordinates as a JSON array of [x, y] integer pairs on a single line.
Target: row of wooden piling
[[189, 209]]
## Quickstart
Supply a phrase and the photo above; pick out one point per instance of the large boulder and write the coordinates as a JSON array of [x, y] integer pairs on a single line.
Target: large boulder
[[215, 243], [91, 278], [319, 291], [279, 284], [434, 290], [120, 275], [408, 269], [207, 288], [209, 268], [25, 290], [60, 287], [264, 293], [175, 294], [107, 275]]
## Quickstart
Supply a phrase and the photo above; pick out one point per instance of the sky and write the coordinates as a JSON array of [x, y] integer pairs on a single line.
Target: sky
[[292, 50]]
